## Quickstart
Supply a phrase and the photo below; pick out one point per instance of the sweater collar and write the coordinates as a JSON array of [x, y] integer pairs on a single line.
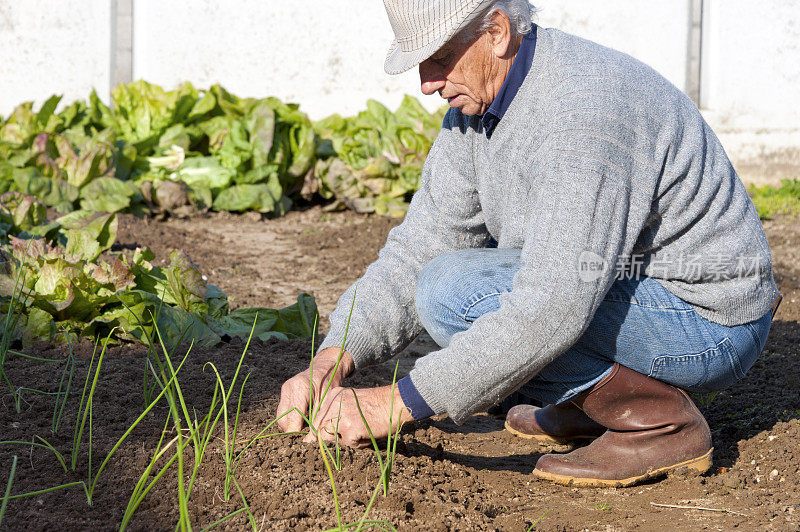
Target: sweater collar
[[516, 75]]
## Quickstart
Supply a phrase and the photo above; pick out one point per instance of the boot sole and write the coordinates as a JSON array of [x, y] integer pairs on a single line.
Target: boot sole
[[545, 439], [698, 465]]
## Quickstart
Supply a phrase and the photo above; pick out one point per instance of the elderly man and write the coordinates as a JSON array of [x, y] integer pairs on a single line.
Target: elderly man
[[630, 265]]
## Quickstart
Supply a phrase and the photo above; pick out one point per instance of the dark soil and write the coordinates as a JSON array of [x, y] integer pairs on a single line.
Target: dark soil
[[446, 477]]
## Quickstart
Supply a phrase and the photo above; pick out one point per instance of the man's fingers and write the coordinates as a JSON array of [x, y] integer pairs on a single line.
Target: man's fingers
[[327, 435], [290, 422], [294, 399]]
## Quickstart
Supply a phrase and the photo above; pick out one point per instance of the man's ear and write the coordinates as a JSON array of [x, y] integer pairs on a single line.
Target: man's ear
[[500, 35]]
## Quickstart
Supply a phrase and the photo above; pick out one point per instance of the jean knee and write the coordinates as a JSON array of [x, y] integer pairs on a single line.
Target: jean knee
[[434, 294]]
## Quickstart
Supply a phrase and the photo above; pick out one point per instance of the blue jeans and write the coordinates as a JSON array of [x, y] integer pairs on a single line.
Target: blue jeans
[[639, 324]]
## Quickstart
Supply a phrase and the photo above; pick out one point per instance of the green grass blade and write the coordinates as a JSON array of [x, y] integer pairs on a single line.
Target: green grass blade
[[220, 521], [18, 395], [311, 368], [175, 383], [87, 412], [250, 515], [339, 359], [51, 490], [229, 459], [75, 437], [143, 493], [323, 450], [7, 495], [363, 519], [338, 463], [58, 411], [369, 431], [133, 426], [31, 357], [227, 452], [206, 433], [391, 446], [140, 484], [91, 418], [44, 445], [372, 523], [533, 525]]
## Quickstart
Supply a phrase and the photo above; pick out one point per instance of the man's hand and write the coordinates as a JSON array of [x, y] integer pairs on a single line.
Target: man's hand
[[295, 391], [339, 414]]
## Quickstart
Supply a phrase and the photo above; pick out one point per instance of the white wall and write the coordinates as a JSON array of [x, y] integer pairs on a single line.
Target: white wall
[[328, 56], [653, 31], [53, 47], [751, 84]]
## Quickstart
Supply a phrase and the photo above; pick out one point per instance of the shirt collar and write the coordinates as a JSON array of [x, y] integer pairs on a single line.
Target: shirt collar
[[512, 83]]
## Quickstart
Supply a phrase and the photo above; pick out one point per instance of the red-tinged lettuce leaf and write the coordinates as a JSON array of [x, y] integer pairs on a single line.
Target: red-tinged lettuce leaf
[[54, 283], [32, 251], [25, 211], [94, 161], [116, 275]]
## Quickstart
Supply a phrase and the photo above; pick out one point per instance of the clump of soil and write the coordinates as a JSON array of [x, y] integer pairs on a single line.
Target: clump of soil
[[447, 477]]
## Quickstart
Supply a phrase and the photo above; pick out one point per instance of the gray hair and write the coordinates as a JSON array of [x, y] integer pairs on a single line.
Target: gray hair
[[519, 12]]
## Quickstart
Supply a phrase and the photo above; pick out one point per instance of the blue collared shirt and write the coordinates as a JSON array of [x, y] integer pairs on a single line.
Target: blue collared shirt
[[519, 69]]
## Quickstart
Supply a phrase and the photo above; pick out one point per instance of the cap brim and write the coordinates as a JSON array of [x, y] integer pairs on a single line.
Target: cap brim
[[398, 61]]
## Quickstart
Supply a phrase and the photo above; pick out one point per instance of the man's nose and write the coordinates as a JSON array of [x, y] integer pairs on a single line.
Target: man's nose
[[431, 78]]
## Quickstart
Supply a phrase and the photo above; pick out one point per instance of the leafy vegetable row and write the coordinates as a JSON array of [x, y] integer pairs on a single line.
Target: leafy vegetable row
[[185, 150], [58, 281]]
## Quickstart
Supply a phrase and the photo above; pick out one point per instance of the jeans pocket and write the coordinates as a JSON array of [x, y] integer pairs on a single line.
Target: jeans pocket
[[710, 370]]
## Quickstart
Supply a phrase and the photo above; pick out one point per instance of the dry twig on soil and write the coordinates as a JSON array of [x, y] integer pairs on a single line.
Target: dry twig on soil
[[682, 507]]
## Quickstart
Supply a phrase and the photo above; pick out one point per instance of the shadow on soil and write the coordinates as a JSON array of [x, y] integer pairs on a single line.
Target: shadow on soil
[[767, 395]]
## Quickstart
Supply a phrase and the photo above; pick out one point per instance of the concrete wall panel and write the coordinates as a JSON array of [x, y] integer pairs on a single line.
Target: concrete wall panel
[[49, 47], [751, 84], [325, 54], [653, 31]]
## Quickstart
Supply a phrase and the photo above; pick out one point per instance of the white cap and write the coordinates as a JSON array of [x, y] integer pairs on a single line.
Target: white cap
[[421, 27]]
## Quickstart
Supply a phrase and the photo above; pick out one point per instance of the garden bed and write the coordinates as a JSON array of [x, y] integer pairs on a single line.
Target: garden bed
[[446, 477]]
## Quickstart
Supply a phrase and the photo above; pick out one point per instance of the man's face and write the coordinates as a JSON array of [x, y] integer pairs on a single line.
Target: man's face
[[462, 73]]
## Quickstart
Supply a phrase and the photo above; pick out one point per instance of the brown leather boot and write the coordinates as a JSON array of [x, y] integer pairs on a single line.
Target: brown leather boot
[[653, 429], [553, 424]]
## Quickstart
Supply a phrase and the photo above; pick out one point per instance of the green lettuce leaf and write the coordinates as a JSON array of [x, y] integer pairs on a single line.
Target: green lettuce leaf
[[107, 194], [93, 235], [204, 171], [54, 192], [264, 197]]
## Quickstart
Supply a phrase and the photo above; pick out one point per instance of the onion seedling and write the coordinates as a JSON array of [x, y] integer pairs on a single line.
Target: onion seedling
[[61, 401], [7, 494]]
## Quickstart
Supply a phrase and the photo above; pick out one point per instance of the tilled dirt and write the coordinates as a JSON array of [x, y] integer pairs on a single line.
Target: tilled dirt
[[446, 477]]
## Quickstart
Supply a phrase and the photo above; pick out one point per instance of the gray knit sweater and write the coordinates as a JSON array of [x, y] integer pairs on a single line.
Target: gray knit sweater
[[598, 159]]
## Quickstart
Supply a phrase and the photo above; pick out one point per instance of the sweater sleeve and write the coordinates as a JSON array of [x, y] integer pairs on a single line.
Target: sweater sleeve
[[579, 222], [444, 215]]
